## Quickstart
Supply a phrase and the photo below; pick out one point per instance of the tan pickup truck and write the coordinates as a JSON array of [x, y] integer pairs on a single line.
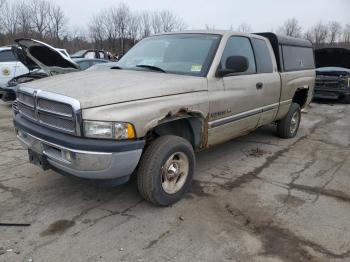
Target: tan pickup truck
[[169, 96]]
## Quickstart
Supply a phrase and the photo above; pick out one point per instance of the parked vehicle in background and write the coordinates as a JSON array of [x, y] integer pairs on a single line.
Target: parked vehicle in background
[[10, 66], [91, 54], [333, 74], [39, 60], [169, 96], [85, 63]]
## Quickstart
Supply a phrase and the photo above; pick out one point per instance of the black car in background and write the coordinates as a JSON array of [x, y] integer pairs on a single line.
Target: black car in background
[[333, 74]]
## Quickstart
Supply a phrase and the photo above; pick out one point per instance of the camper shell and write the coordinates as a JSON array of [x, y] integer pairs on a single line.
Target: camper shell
[[292, 54]]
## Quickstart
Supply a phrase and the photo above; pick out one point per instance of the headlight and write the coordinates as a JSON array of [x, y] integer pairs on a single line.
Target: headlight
[[109, 130]]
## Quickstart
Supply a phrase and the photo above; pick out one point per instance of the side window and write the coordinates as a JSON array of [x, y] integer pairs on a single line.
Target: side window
[[7, 56], [297, 58], [262, 56], [90, 55], [102, 55], [239, 46]]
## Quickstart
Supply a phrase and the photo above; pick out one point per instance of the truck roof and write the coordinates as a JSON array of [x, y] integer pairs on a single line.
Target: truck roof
[[285, 40], [273, 38], [213, 32]]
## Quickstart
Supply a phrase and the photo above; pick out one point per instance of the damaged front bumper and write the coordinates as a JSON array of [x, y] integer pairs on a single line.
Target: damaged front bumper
[[81, 157]]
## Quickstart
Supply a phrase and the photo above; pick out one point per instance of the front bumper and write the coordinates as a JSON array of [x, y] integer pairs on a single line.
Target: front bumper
[[335, 94], [81, 157]]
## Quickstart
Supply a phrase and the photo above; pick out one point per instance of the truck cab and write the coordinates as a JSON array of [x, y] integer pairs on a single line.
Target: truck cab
[[171, 95]]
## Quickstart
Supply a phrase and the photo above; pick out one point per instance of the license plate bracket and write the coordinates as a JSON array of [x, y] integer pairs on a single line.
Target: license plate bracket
[[38, 160]]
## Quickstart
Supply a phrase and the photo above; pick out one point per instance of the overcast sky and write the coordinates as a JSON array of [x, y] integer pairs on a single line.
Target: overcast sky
[[262, 15]]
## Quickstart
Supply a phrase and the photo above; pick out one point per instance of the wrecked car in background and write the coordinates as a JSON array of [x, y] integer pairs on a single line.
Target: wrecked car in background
[[333, 74], [10, 67], [169, 96], [39, 60], [91, 54]]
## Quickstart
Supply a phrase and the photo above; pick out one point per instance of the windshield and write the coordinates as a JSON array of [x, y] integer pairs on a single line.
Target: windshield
[[188, 54]]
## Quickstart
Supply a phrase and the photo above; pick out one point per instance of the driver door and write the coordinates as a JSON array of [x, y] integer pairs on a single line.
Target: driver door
[[234, 101]]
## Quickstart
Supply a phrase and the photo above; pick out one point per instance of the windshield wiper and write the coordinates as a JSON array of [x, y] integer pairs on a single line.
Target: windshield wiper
[[154, 68]]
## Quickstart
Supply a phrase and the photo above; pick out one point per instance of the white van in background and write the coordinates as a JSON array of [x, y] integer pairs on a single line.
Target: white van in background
[[10, 67]]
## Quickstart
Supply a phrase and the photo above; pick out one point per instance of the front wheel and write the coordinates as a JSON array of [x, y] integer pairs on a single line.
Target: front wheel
[[289, 125], [166, 170], [347, 99]]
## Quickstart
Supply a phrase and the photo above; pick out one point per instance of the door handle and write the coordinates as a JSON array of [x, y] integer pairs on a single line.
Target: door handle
[[259, 85]]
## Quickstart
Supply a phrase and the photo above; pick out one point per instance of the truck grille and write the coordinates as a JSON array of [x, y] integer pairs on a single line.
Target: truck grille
[[46, 111], [15, 107], [328, 82]]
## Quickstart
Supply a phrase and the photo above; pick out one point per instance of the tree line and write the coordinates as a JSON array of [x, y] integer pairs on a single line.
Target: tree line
[[118, 28], [320, 34]]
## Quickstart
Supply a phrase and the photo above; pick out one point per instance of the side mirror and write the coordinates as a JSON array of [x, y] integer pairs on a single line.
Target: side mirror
[[234, 65]]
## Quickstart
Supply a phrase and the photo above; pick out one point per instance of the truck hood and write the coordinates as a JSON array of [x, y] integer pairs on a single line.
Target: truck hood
[[35, 54], [332, 57], [111, 86]]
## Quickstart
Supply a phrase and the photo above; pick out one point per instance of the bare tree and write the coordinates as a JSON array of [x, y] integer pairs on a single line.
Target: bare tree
[[244, 28], [2, 13], [25, 21], [134, 28], [156, 23], [40, 16], [10, 20], [57, 22], [335, 30], [346, 33], [170, 22], [97, 30], [121, 19], [145, 24], [290, 28], [318, 34]]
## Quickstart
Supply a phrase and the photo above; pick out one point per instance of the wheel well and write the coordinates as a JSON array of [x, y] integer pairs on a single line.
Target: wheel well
[[189, 128], [300, 97]]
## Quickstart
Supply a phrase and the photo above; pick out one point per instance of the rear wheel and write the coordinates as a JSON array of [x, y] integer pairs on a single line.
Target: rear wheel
[[166, 170], [289, 125]]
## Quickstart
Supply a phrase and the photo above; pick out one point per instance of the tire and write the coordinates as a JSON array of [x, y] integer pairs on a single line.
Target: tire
[[289, 125], [156, 179], [347, 99]]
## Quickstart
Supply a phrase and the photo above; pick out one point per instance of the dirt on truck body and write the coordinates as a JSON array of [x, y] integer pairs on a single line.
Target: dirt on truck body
[[169, 96]]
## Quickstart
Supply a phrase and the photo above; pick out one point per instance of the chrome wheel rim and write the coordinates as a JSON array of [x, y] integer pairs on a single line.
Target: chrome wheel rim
[[174, 173], [294, 122]]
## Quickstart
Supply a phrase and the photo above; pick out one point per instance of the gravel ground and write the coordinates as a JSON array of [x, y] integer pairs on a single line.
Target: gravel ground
[[256, 198]]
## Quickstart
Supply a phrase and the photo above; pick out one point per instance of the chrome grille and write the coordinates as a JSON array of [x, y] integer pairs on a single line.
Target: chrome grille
[[41, 107], [64, 124], [15, 107], [26, 110], [26, 99], [53, 107]]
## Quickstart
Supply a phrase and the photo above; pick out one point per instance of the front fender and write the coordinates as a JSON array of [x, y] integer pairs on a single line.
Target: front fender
[[149, 113]]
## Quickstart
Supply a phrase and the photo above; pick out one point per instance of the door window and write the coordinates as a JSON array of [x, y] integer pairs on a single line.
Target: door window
[[7, 56], [90, 55], [239, 46], [262, 55]]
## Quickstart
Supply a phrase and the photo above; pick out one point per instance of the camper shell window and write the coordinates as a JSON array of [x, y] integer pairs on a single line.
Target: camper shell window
[[292, 54]]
